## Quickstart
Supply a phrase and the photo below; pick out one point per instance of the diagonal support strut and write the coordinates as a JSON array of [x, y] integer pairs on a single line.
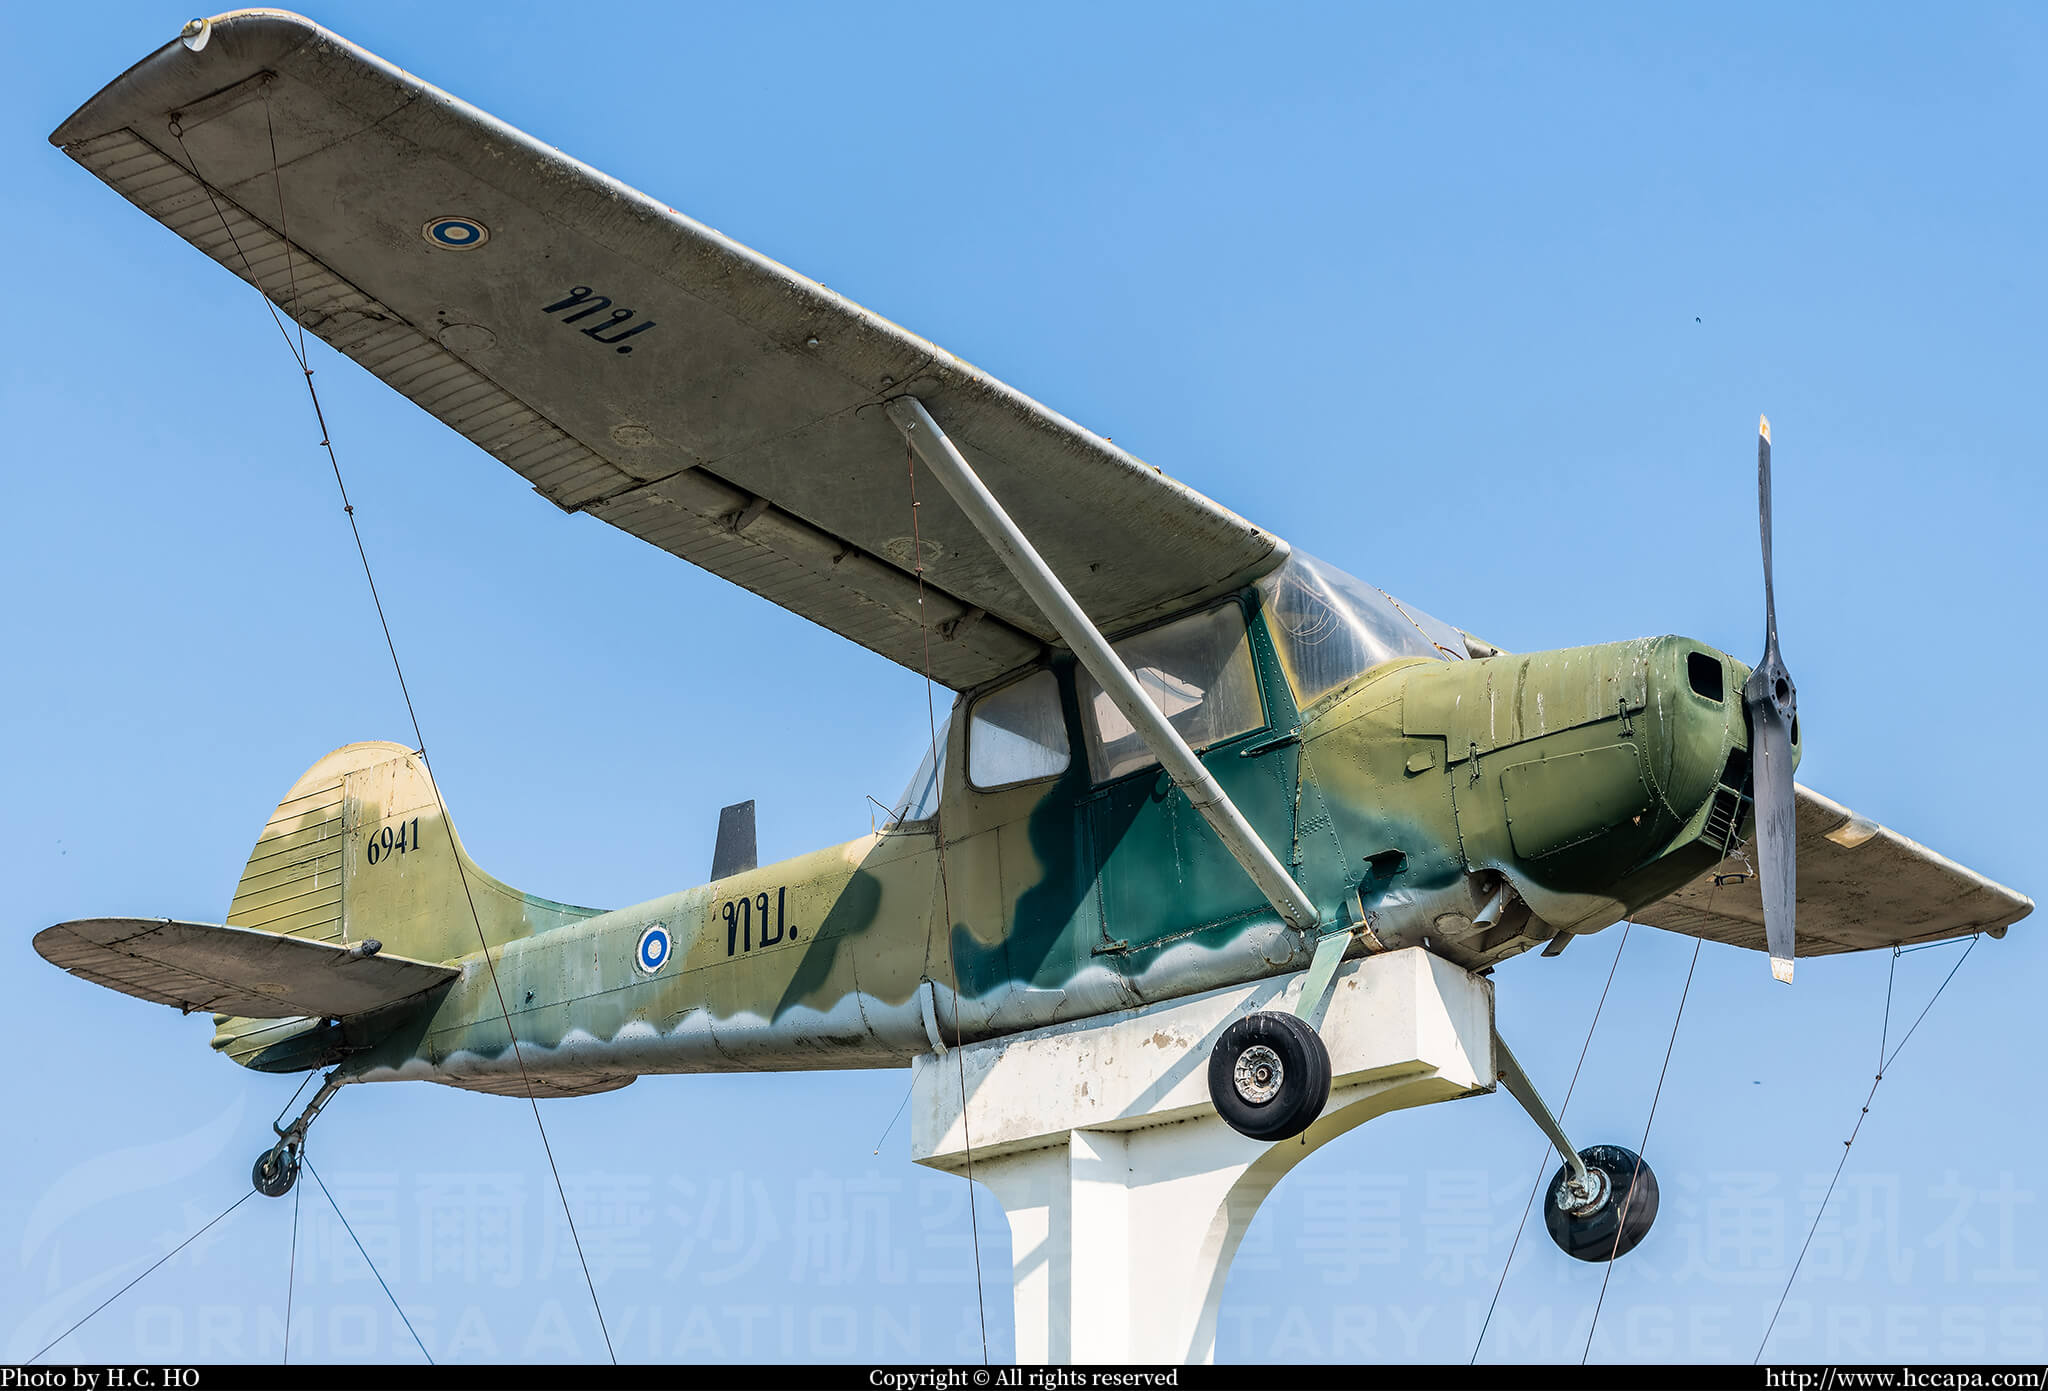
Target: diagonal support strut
[[943, 458]]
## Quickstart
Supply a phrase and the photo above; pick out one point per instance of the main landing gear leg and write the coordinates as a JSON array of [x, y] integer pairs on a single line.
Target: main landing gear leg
[[277, 1168], [1601, 1203]]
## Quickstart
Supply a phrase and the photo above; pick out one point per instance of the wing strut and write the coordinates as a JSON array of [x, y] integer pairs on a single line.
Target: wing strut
[[1037, 579]]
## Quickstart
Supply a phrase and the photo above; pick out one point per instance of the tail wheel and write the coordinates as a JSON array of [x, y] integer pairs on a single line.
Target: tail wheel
[[276, 1170], [1269, 1076], [1610, 1214]]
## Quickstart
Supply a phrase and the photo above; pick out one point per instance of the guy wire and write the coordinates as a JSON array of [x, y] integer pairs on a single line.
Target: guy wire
[[291, 1278], [900, 1107], [1543, 1164], [399, 1308], [295, 1097], [1621, 1222], [1884, 1065], [945, 890], [326, 442], [160, 1261]]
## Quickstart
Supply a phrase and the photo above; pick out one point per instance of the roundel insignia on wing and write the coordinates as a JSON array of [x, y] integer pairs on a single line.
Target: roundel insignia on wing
[[455, 233], [652, 953]]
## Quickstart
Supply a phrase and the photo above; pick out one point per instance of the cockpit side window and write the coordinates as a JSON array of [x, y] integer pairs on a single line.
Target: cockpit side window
[[1018, 734], [1198, 672]]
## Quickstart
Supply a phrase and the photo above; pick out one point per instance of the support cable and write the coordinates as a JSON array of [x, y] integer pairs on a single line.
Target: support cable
[[399, 1308], [1884, 1031], [945, 891], [900, 1106], [1621, 1222], [145, 1274], [291, 1277], [1884, 1065], [326, 442], [308, 1081], [1543, 1164]]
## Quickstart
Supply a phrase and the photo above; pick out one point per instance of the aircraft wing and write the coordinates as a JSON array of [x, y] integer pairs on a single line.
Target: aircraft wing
[[1861, 885], [233, 970], [632, 363]]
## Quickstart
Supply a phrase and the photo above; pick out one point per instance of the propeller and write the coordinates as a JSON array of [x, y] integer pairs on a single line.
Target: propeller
[[1772, 704]]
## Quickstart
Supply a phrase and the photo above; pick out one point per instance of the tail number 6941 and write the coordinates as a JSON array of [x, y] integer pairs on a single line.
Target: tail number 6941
[[388, 841]]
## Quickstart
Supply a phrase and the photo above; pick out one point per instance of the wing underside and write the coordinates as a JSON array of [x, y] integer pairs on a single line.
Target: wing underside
[[632, 363], [1860, 886]]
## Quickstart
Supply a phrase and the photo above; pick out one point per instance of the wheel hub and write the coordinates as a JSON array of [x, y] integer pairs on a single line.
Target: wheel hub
[[1583, 1197], [1258, 1074], [276, 1170]]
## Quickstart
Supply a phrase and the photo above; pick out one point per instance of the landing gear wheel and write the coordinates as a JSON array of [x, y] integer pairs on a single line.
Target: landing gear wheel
[[277, 1169], [1611, 1215], [1269, 1076]]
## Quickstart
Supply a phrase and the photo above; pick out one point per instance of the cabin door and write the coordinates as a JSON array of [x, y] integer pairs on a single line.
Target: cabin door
[[1162, 874]]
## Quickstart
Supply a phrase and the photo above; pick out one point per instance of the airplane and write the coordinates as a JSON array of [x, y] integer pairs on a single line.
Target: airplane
[[1181, 755]]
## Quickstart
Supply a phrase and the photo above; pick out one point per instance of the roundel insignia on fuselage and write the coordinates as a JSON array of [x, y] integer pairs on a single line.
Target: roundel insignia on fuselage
[[652, 953], [455, 233]]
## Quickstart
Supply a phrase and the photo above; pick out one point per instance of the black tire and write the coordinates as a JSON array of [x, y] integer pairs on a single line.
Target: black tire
[[275, 1171], [1621, 1219], [1284, 1084]]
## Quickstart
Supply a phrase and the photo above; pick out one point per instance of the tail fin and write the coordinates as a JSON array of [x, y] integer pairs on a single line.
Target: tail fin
[[361, 848]]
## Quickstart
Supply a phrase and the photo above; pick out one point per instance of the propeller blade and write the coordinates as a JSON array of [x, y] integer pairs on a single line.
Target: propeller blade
[[1776, 831], [1773, 704], [1763, 521]]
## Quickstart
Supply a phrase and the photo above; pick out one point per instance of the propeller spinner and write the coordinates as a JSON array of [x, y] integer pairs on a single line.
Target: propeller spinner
[[1772, 703]]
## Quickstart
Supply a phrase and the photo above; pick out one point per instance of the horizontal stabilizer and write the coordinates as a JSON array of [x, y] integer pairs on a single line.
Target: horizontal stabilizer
[[1861, 886], [233, 970]]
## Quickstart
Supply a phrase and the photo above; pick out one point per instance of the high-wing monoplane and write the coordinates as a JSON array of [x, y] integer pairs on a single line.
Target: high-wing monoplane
[[1181, 755]]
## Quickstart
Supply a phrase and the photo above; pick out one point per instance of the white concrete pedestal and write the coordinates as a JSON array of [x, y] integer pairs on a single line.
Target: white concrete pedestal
[[1127, 1195]]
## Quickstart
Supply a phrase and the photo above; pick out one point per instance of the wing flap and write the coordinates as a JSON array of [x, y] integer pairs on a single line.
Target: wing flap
[[1861, 886], [635, 364], [233, 970]]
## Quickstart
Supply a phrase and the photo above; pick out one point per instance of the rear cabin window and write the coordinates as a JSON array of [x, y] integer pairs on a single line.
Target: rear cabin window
[[1197, 671], [1018, 734], [920, 800]]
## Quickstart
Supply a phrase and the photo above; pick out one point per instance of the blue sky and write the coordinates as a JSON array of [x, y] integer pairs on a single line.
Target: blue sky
[[1481, 306]]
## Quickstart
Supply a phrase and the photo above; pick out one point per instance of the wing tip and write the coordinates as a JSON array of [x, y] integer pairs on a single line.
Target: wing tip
[[1763, 428], [178, 72], [1781, 969]]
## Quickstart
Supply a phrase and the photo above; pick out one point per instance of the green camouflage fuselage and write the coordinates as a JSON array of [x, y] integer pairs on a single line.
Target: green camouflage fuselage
[[1587, 782]]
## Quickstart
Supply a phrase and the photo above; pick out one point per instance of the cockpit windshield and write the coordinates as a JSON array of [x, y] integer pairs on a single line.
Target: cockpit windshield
[[920, 800], [1330, 627], [1327, 626]]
